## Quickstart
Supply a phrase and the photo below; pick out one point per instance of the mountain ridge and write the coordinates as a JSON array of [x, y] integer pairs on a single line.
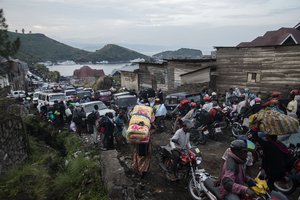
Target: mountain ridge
[[37, 47], [181, 53]]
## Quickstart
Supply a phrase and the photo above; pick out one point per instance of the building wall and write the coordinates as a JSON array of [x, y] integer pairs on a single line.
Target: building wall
[[201, 76], [179, 67], [153, 75], [261, 69], [129, 80]]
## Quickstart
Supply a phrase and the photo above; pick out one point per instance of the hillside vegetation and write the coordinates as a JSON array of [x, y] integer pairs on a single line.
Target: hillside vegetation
[[179, 54], [40, 48], [113, 53], [59, 167]]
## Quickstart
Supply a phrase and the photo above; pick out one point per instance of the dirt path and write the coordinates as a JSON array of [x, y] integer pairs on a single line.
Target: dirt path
[[155, 186]]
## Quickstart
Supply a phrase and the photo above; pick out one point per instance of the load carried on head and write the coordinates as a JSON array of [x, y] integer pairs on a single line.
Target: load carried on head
[[274, 123], [140, 124]]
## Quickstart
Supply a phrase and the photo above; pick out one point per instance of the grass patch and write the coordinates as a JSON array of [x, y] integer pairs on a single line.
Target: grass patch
[[50, 174]]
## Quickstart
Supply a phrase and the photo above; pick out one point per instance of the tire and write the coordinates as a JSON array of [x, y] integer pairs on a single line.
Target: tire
[[285, 187], [236, 129], [193, 191]]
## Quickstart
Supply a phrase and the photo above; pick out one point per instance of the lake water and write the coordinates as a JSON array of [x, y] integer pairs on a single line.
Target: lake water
[[67, 70]]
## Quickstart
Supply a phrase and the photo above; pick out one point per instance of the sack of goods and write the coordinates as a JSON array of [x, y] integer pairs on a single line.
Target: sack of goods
[[274, 123], [139, 125]]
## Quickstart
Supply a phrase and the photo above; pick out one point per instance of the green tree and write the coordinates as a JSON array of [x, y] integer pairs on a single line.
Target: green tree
[[54, 76], [7, 47]]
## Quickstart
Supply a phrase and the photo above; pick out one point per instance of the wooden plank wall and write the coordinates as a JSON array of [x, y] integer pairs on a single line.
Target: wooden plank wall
[[176, 68], [147, 74], [279, 68]]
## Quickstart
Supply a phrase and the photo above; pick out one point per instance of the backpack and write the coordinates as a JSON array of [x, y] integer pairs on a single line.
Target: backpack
[[219, 115], [91, 118]]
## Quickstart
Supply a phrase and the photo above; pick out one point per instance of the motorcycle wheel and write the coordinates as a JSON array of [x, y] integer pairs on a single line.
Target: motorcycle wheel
[[196, 195], [236, 129], [285, 187]]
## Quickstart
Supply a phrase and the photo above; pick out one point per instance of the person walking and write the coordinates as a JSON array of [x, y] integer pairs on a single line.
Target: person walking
[[78, 114], [108, 139]]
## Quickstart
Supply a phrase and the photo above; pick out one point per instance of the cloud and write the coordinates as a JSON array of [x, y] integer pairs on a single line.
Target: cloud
[[169, 22]]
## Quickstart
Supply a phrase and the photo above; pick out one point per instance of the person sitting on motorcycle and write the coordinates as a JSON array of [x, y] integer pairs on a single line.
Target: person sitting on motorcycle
[[190, 114], [233, 178], [181, 110], [255, 108], [207, 103], [276, 156], [214, 97], [180, 142], [160, 113], [213, 112]]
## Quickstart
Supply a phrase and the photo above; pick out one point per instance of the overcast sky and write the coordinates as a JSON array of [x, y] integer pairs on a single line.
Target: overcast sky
[[151, 26]]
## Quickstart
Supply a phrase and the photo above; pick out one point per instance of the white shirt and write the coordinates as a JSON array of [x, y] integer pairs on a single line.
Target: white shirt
[[207, 106], [183, 140]]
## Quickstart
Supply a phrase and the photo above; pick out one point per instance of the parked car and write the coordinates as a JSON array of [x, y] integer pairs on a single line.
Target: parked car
[[82, 93], [125, 101], [35, 98], [89, 107], [103, 95], [172, 100], [70, 93], [18, 94], [114, 96]]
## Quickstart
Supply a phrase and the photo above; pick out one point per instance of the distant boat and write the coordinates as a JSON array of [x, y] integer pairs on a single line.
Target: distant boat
[[103, 62], [67, 62], [137, 60]]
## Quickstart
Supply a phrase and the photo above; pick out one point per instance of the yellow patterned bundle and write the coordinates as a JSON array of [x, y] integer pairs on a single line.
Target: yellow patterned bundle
[[274, 123], [140, 119], [143, 110], [138, 134]]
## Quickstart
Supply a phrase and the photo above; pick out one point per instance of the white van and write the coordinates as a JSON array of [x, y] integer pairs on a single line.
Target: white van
[[70, 93], [49, 98], [18, 94]]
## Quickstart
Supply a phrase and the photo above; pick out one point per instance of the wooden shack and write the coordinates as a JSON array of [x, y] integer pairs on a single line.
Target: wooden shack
[[261, 69]]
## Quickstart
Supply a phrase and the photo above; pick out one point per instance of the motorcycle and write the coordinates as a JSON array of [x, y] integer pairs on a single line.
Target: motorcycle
[[189, 161], [202, 186], [204, 128], [289, 183]]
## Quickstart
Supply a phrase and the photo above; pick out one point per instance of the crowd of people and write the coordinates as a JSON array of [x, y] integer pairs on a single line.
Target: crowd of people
[[109, 129]]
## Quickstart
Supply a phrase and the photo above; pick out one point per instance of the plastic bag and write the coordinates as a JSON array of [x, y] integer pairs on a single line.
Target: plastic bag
[[72, 126]]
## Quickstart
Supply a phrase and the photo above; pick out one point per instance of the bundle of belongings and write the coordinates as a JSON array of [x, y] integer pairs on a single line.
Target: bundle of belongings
[[140, 124], [274, 123]]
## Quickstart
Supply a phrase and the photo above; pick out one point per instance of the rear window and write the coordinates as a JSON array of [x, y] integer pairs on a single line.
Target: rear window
[[57, 97], [90, 107], [107, 93], [71, 93]]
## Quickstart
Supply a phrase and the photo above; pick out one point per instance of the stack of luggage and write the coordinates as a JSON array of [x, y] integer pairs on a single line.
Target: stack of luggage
[[140, 124]]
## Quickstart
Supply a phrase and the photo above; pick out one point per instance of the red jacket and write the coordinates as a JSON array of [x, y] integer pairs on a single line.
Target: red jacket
[[233, 176]]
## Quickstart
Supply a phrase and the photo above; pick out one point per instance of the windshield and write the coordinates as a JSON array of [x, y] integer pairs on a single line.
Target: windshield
[[108, 93], [70, 93], [126, 102], [172, 100], [90, 107], [83, 93], [57, 97]]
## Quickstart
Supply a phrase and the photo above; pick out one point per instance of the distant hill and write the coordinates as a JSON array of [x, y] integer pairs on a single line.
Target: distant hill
[[179, 54], [113, 53], [40, 48]]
